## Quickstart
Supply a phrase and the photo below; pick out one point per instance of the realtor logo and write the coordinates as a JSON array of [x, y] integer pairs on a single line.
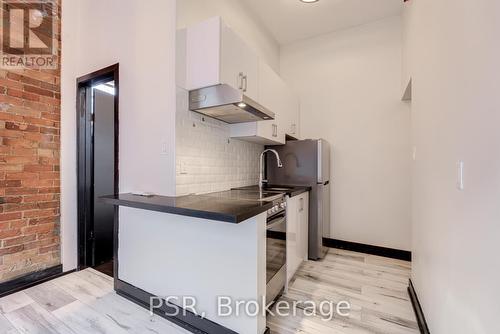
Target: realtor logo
[[28, 34]]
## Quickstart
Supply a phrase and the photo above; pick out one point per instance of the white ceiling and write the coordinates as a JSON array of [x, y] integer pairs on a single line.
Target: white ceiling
[[292, 20]]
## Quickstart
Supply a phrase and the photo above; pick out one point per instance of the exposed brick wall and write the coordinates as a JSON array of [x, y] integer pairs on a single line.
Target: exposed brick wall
[[29, 170]]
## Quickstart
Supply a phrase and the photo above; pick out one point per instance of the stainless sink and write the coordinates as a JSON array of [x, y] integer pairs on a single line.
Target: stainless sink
[[278, 189], [254, 194], [269, 193]]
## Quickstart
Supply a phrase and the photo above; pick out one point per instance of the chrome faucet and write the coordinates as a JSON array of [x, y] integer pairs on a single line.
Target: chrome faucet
[[261, 166]]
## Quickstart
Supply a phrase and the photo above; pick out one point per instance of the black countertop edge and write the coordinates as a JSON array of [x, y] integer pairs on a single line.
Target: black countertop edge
[[221, 209]]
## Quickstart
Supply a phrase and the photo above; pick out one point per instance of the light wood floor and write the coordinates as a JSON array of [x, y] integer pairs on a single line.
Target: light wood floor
[[374, 286], [81, 302], [84, 302]]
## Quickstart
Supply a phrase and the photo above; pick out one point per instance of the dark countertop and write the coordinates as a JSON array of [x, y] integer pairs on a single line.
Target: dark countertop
[[226, 206], [232, 206]]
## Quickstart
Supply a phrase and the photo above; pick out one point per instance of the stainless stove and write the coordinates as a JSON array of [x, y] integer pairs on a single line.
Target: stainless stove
[[275, 236], [276, 249]]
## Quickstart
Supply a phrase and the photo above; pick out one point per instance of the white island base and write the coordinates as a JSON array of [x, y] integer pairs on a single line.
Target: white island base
[[166, 255]]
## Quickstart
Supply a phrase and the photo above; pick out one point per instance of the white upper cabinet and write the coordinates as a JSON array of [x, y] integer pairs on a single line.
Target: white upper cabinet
[[271, 97], [265, 132], [215, 54], [262, 132], [277, 96], [203, 54], [239, 64], [291, 123]]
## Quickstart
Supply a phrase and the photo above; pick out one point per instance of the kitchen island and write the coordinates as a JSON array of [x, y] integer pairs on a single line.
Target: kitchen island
[[198, 246]]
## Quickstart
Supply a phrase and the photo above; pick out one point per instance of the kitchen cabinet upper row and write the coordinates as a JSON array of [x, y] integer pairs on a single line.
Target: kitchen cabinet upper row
[[215, 54]]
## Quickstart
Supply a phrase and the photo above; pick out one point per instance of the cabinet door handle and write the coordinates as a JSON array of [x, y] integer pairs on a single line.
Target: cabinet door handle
[[275, 130], [240, 81], [301, 200], [245, 80]]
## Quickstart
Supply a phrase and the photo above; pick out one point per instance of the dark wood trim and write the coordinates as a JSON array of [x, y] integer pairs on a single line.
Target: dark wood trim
[[184, 318], [83, 85], [419, 313], [116, 79], [368, 249], [99, 75], [31, 280], [83, 181]]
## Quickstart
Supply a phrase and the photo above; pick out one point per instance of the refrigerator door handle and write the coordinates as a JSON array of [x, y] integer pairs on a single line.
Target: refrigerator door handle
[[324, 210], [323, 149]]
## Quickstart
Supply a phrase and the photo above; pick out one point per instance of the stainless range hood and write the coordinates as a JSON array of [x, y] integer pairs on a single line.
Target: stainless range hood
[[227, 104]]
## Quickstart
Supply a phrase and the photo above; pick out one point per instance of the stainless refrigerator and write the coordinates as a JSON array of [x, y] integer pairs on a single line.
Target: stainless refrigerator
[[307, 163]]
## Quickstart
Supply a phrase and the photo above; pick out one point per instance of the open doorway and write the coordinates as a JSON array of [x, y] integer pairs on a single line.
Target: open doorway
[[97, 107]]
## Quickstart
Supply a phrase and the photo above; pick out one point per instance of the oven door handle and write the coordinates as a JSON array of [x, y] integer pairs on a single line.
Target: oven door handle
[[275, 222]]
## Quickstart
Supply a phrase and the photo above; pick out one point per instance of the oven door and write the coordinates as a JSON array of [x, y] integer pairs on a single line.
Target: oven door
[[276, 245]]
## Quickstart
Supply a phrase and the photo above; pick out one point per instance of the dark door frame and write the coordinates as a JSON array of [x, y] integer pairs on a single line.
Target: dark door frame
[[85, 157]]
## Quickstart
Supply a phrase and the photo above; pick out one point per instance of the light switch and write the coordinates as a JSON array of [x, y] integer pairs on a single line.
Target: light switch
[[460, 175]]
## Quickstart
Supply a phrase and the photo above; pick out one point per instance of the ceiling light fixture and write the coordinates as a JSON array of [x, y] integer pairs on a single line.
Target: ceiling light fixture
[[308, 1]]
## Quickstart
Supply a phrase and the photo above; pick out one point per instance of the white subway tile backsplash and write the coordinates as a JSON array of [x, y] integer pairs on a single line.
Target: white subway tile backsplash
[[207, 160]]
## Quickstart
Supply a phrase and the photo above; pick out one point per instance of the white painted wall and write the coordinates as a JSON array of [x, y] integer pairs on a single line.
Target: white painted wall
[[349, 87], [141, 37], [407, 50], [236, 15], [455, 116]]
